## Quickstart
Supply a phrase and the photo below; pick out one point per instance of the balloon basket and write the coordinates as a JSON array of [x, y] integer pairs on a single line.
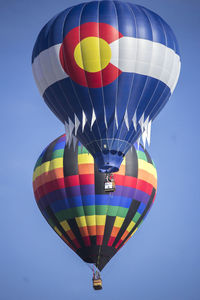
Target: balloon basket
[[97, 284], [109, 184]]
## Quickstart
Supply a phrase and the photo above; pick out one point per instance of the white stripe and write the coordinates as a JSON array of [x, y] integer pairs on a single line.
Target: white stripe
[[126, 119], [134, 120], [146, 58], [149, 133], [77, 123], [83, 120], [67, 133], [128, 54], [47, 68], [93, 119]]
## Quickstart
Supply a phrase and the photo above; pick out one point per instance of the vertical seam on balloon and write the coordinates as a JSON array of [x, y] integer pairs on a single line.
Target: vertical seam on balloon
[[73, 87], [117, 85], [147, 78], [50, 164], [163, 59], [69, 200], [148, 176], [83, 6], [82, 198], [143, 10], [87, 83], [130, 92], [51, 63], [166, 86], [50, 60], [124, 175], [105, 117], [44, 78], [136, 226], [134, 190]]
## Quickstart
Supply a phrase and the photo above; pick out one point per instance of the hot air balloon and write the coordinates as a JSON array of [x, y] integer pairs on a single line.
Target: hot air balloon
[[69, 191], [106, 69]]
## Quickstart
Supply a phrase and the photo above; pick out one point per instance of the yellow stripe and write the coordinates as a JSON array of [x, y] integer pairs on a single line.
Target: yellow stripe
[[65, 225], [134, 231], [144, 165], [118, 222], [85, 159], [124, 161], [48, 166], [101, 220], [91, 220], [41, 169], [58, 231], [81, 222], [130, 226]]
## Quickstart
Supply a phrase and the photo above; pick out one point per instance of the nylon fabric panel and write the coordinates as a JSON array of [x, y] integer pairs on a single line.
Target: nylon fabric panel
[[71, 89], [94, 224]]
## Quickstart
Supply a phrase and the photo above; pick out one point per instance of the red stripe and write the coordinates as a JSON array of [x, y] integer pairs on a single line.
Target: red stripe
[[133, 182], [111, 241], [71, 181], [86, 240], [99, 240], [86, 179], [120, 241], [76, 243]]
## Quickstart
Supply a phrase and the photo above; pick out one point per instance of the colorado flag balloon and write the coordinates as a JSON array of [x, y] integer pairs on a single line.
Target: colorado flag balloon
[[106, 69]]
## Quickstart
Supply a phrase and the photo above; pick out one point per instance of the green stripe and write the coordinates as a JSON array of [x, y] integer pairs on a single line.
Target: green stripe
[[136, 217], [38, 163], [141, 155], [153, 163], [57, 153], [91, 210], [82, 150]]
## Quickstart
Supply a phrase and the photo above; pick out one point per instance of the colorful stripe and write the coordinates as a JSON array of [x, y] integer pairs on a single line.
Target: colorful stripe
[[69, 191]]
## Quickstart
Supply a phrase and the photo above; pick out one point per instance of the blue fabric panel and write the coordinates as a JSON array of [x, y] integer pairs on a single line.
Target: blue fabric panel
[[144, 23]]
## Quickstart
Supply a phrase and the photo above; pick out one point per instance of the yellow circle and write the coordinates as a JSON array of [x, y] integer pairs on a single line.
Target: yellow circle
[[92, 54]]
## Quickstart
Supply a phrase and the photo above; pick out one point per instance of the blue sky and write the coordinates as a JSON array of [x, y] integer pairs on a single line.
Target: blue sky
[[162, 260]]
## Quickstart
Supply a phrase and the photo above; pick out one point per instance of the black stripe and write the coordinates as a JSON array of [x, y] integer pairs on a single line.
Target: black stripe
[[130, 215], [49, 151], [57, 224], [75, 229], [108, 229], [99, 181], [147, 155], [141, 217], [131, 167], [99, 255], [70, 161]]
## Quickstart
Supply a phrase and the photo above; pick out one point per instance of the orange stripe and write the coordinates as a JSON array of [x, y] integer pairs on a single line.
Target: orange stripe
[[48, 176], [148, 177], [71, 235], [86, 169], [124, 235], [100, 229], [92, 230], [121, 170], [115, 231], [84, 231]]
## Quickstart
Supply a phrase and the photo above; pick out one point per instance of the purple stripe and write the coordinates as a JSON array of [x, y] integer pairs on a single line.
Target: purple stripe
[[129, 192]]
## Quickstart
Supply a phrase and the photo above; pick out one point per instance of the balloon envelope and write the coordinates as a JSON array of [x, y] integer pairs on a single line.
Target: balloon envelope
[[69, 192], [106, 69]]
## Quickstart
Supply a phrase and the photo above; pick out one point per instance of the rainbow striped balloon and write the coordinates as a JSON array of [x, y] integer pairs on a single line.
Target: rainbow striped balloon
[[69, 192]]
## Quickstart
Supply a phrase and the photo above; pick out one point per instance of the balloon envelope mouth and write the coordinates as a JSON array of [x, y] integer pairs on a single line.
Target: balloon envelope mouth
[[108, 169], [108, 162]]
